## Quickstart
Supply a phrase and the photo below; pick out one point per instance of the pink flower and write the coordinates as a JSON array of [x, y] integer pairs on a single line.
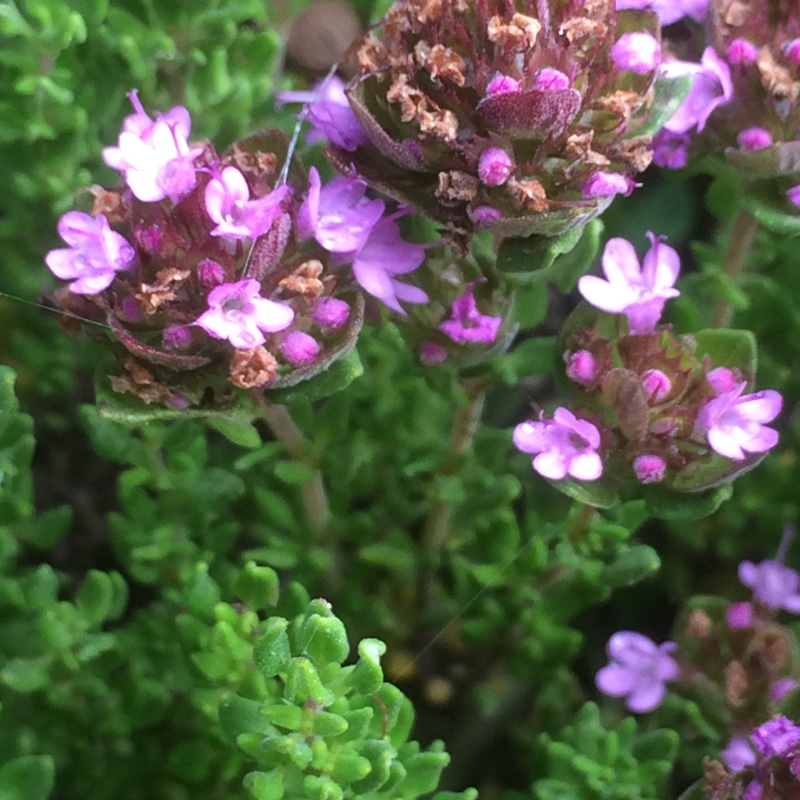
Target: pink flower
[[793, 195], [330, 314], [754, 139], [669, 11], [338, 215], [467, 325], [582, 367], [739, 755], [550, 80], [383, 256], [656, 385], [739, 615], [671, 150], [639, 670], [501, 84], [792, 50], [495, 166], [721, 380], [228, 204], [638, 293], [741, 52], [711, 87], [774, 585], [330, 114], [734, 423], [299, 348], [778, 737], [564, 446], [95, 253], [605, 184], [649, 468], [238, 313], [638, 52], [154, 154]]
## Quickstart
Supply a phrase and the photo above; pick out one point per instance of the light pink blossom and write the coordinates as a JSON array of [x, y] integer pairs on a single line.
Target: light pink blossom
[[734, 423], [649, 468], [94, 256], [639, 670], [154, 154], [564, 445], [606, 184], [495, 166], [639, 293], [228, 204], [238, 313], [550, 80], [774, 584], [739, 754], [466, 324]]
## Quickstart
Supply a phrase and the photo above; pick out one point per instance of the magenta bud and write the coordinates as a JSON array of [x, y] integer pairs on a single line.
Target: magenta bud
[[649, 468], [432, 353], [637, 52], [605, 184], [754, 139], [741, 52], [722, 380], [656, 385], [176, 337], [179, 401], [210, 273], [299, 348], [739, 615], [792, 51], [495, 166], [485, 215], [581, 367], [149, 238], [501, 84], [550, 80], [793, 195], [330, 314]]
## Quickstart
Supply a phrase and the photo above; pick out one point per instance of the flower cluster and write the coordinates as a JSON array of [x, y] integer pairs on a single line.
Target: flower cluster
[[209, 271], [664, 411], [517, 118]]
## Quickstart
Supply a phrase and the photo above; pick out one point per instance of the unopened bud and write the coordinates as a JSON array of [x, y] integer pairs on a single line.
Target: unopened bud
[[495, 166], [501, 84], [149, 238], [721, 380], [656, 385], [649, 468], [582, 367], [605, 184], [484, 215], [754, 139], [739, 615], [793, 195], [210, 273], [299, 348], [792, 50], [330, 314], [550, 80], [431, 353], [741, 52], [176, 337], [781, 688]]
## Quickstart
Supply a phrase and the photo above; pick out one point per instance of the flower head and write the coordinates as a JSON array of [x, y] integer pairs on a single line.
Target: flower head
[[638, 52], [774, 585], [639, 670], [734, 423], [467, 325], [154, 154], [238, 313], [329, 114], [649, 468], [228, 204], [564, 446], [95, 253], [639, 293], [778, 737]]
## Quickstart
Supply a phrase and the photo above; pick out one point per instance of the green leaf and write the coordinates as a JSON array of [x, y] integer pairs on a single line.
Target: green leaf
[[349, 768], [631, 566], [600, 494], [665, 503], [27, 778], [237, 431], [239, 715], [303, 684], [424, 772], [774, 213], [284, 716], [95, 597], [337, 377], [368, 676], [292, 472], [735, 349], [530, 258], [327, 724], [271, 651], [265, 785], [258, 586], [669, 94], [695, 792], [325, 640], [380, 755]]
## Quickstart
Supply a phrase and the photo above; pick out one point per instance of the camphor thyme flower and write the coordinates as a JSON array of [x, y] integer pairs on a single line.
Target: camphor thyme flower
[[517, 118]]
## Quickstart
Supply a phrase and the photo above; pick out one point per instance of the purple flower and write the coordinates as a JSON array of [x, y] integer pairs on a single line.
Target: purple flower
[[330, 114], [739, 755], [774, 585], [383, 256], [564, 446], [495, 166], [299, 348], [778, 738], [338, 215], [638, 52], [605, 184], [228, 204], [639, 293], [739, 616], [582, 367], [781, 688], [711, 87], [330, 314], [467, 325], [502, 84], [155, 154], [238, 313], [95, 253], [734, 423], [669, 11], [741, 52], [639, 670], [649, 468], [793, 195], [671, 150], [754, 139], [432, 353], [792, 50]]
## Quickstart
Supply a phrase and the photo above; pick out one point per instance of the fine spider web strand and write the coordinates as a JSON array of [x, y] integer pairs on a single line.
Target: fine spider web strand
[[59, 311]]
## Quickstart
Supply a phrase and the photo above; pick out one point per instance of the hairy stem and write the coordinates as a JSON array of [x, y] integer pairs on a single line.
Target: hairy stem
[[742, 235]]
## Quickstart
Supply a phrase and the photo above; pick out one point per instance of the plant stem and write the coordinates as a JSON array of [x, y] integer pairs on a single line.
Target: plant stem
[[437, 523], [315, 499], [742, 234]]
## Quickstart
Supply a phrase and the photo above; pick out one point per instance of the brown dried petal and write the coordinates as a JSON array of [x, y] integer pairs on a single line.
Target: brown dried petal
[[410, 98], [305, 280], [456, 187], [736, 683], [698, 624], [622, 103], [109, 202], [776, 79], [635, 152], [371, 56], [139, 381], [735, 13], [263, 164], [530, 194], [530, 26], [252, 368], [151, 296], [440, 123], [440, 61], [582, 27]]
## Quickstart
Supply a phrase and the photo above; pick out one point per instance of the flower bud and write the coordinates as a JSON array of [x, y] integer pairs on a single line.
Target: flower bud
[[637, 52], [754, 139], [550, 80], [582, 367], [649, 468], [210, 273], [299, 348], [656, 385], [792, 51], [607, 184], [741, 52], [739, 615], [722, 380], [495, 166], [330, 314], [501, 84], [432, 353], [177, 337]]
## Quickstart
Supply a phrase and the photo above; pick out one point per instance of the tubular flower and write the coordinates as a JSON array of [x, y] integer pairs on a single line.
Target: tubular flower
[[214, 292], [508, 107], [774, 585], [467, 324]]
